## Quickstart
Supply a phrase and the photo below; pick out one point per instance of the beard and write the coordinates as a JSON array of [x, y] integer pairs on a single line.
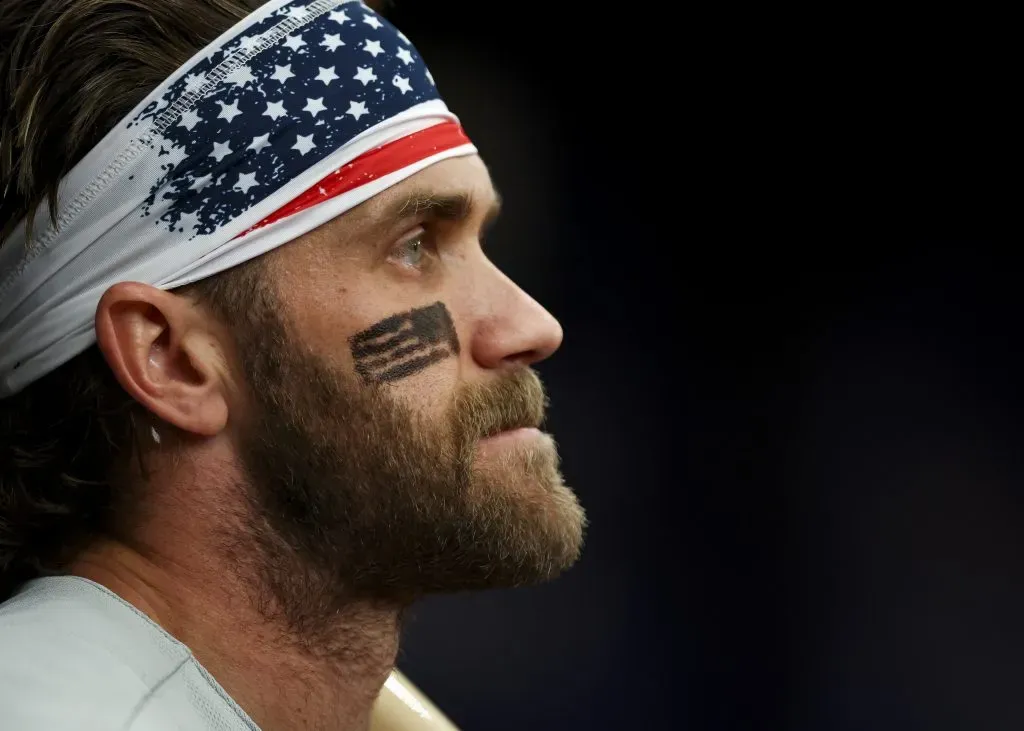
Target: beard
[[352, 495]]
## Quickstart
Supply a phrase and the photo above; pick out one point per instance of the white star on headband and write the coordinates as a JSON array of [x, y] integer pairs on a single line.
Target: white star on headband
[[220, 150], [403, 53], [339, 16], [303, 143], [295, 42], [331, 41], [365, 74], [282, 73], [326, 75], [275, 110], [373, 47], [228, 111], [314, 106], [245, 181], [372, 21], [357, 109]]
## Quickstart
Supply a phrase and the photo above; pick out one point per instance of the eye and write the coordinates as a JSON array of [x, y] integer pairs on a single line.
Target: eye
[[413, 251]]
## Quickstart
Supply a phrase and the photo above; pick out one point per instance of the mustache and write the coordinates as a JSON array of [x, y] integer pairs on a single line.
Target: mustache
[[516, 400]]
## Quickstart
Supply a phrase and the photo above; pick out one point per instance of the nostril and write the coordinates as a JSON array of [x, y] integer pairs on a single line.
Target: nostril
[[524, 358]]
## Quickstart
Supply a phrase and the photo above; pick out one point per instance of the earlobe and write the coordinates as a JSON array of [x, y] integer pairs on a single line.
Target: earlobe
[[163, 354]]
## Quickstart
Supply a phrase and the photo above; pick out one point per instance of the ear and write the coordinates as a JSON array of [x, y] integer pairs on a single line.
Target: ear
[[163, 352]]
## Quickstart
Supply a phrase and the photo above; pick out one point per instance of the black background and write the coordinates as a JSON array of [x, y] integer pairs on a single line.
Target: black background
[[781, 245]]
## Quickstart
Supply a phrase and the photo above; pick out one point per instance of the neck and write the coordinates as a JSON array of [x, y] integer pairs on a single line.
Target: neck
[[283, 676]]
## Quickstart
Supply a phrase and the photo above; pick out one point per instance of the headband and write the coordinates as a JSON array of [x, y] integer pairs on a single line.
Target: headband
[[300, 112]]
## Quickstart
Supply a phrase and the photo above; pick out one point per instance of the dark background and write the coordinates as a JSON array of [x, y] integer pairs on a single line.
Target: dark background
[[789, 396]]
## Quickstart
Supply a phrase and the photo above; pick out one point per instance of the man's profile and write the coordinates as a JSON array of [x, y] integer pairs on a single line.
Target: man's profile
[[260, 386]]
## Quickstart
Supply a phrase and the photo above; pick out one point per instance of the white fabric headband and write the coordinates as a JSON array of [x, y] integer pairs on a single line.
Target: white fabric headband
[[295, 115]]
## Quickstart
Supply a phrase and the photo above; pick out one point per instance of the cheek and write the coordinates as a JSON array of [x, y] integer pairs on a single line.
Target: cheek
[[429, 393]]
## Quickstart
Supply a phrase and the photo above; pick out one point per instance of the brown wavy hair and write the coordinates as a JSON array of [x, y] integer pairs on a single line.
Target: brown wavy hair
[[69, 71]]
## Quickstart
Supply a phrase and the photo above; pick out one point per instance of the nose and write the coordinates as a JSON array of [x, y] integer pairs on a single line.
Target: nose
[[516, 330]]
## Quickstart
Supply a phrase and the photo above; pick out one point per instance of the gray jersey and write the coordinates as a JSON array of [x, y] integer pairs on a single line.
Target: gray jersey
[[76, 657]]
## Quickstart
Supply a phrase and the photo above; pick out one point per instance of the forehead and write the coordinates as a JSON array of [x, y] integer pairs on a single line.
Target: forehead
[[458, 176]]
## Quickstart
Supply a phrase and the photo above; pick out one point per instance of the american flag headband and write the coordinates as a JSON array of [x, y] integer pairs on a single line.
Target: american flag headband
[[300, 112]]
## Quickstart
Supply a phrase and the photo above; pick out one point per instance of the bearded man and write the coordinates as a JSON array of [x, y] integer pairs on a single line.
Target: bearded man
[[260, 386]]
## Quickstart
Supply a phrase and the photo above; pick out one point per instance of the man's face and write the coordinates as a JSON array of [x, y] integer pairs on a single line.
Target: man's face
[[389, 437]]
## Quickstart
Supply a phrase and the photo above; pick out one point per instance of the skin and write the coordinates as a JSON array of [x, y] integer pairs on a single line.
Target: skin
[[181, 363]]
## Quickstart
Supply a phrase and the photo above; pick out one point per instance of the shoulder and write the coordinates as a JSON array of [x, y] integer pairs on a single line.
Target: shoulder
[[73, 656]]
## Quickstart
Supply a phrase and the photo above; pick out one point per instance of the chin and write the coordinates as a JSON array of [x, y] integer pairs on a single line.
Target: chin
[[523, 475]]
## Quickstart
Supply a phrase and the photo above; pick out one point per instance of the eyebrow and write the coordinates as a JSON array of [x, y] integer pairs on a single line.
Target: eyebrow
[[453, 207]]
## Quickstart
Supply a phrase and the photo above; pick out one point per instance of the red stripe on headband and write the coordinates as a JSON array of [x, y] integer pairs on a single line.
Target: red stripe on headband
[[375, 163]]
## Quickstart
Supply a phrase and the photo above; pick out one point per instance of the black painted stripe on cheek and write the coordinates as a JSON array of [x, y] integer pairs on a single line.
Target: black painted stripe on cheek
[[413, 366], [388, 325], [386, 359], [377, 348], [389, 350]]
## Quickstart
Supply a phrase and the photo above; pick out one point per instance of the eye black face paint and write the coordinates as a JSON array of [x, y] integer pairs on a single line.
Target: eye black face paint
[[404, 344]]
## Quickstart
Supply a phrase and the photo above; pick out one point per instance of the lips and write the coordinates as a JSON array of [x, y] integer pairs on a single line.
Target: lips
[[509, 425]]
